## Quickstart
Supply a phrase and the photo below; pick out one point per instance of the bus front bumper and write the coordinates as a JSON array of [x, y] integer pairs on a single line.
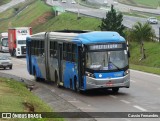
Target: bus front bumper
[[93, 83]]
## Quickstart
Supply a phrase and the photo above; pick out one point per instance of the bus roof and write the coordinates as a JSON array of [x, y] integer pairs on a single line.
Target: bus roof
[[37, 36], [99, 37], [82, 38]]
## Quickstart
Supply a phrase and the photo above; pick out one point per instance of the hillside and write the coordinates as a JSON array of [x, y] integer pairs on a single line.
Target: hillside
[[2, 2], [31, 12], [41, 18]]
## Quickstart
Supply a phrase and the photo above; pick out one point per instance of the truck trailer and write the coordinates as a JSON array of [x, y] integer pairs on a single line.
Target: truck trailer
[[17, 40]]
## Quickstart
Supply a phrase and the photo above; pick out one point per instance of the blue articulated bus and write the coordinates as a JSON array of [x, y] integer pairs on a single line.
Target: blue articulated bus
[[79, 60]]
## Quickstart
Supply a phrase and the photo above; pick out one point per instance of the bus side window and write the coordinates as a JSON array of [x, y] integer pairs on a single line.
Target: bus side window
[[74, 53], [64, 51], [51, 48], [42, 48], [69, 53], [36, 47], [55, 49], [33, 47]]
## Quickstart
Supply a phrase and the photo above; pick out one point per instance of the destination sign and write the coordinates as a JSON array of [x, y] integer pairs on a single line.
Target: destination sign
[[106, 46]]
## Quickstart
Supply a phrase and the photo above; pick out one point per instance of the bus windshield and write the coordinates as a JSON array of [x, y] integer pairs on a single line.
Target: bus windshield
[[5, 42], [21, 42], [109, 60]]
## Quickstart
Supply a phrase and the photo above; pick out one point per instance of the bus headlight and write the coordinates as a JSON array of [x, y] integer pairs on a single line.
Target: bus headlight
[[18, 49], [126, 72], [89, 74]]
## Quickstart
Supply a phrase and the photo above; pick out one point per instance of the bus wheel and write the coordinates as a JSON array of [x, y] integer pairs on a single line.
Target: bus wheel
[[76, 85], [35, 76], [56, 80], [115, 89]]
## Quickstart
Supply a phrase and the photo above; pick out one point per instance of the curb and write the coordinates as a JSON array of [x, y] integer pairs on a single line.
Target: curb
[[57, 103]]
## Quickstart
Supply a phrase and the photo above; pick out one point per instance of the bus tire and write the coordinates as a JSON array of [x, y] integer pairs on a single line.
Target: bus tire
[[35, 76], [76, 85], [56, 80], [115, 89]]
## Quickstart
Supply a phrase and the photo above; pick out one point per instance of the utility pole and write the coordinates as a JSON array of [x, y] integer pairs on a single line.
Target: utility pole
[[159, 34], [78, 17]]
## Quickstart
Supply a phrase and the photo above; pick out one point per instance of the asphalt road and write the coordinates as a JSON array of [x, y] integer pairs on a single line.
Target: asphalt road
[[142, 96], [128, 21], [125, 8]]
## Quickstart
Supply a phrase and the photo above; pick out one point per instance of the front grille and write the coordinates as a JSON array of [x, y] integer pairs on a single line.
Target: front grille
[[23, 48], [5, 62]]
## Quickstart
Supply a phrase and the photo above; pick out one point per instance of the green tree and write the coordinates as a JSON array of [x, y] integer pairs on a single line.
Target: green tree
[[113, 22], [142, 32]]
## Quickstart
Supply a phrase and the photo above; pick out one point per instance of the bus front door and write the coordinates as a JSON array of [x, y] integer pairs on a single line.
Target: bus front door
[[80, 67]]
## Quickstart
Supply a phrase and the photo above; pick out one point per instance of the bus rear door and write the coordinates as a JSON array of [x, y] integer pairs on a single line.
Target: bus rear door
[[60, 64]]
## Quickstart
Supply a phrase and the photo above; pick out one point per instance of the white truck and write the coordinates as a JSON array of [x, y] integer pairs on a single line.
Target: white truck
[[4, 42]]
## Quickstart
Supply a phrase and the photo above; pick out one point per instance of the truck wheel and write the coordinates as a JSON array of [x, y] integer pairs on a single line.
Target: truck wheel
[[10, 67], [76, 85], [14, 53], [4, 68]]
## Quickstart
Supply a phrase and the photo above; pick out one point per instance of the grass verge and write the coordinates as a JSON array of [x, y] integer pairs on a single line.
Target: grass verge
[[152, 70], [69, 21], [152, 62], [2, 2], [14, 96]]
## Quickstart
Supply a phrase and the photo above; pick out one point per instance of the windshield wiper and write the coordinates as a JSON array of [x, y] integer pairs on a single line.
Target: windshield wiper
[[114, 64]]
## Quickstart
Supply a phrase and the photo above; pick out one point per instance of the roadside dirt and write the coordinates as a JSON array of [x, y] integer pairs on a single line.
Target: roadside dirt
[[42, 19]]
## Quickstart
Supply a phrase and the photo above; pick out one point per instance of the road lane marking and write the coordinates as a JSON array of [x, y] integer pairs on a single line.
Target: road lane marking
[[133, 81], [140, 108], [52, 90], [126, 119], [125, 101], [113, 96], [84, 108]]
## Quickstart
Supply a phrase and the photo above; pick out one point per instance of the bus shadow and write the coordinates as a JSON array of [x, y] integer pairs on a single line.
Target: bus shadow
[[103, 92], [20, 57], [93, 92]]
